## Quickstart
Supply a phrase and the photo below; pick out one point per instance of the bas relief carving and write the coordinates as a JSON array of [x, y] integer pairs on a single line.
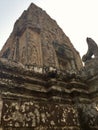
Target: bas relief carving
[[32, 54], [49, 55], [31, 50], [65, 56], [13, 54]]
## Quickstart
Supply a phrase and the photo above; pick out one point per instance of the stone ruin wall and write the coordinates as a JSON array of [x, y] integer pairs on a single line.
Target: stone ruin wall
[[43, 85]]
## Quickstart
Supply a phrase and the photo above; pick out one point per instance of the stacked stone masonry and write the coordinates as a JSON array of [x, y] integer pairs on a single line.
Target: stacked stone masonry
[[43, 84]]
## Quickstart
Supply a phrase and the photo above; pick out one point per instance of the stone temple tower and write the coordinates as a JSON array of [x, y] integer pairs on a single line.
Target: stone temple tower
[[43, 84], [37, 40]]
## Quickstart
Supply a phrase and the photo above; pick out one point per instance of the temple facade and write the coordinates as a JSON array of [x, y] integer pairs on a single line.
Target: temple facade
[[43, 83]]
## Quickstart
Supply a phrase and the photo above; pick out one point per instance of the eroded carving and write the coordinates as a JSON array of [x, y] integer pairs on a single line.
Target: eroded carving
[[6, 53], [49, 55], [32, 114], [92, 50], [32, 54], [88, 116]]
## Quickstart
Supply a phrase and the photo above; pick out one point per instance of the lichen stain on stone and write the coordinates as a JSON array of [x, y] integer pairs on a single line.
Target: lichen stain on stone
[[31, 114]]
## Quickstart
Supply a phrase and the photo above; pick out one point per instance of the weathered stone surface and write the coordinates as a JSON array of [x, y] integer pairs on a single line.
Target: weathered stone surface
[[43, 85], [44, 101], [92, 50], [38, 40], [40, 101], [34, 114], [90, 69], [89, 74]]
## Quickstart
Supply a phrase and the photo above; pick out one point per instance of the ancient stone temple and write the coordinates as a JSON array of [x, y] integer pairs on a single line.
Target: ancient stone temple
[[43, 84]]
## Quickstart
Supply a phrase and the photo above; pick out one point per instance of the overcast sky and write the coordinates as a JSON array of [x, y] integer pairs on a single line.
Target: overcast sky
[[77, 18]]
